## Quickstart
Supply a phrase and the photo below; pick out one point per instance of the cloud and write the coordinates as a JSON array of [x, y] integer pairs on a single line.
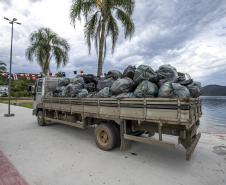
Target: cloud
[[191, 35]]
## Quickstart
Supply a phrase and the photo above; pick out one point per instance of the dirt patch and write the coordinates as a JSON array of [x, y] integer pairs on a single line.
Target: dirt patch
[[219, 150]]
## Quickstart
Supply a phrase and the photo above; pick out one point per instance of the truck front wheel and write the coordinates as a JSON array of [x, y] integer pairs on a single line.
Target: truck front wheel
[[40, 118], [106, 136]]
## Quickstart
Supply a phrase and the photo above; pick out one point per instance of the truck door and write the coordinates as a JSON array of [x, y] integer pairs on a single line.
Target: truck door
[[38, 92]]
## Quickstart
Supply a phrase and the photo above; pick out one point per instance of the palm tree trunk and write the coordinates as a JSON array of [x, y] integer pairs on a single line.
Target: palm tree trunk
[[101, 51], [46, 69]]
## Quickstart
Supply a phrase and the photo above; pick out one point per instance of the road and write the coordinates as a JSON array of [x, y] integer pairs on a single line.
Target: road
[[62, 155]]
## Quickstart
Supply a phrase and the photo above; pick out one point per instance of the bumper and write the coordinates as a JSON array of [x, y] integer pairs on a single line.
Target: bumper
[[34, 112]]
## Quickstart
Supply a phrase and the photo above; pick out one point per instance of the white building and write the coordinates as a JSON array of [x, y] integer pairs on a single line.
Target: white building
[[3, 90]]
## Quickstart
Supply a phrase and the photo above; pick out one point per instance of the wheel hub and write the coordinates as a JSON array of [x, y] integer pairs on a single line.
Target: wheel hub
[[103, 137]]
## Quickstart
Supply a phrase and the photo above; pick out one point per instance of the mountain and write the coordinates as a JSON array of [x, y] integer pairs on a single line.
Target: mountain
[[214, 90]]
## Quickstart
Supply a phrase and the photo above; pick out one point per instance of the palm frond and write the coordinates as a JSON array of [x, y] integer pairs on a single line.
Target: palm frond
[[113, 30], [81, 7], [127, 22], [90, 28], [127, 5]]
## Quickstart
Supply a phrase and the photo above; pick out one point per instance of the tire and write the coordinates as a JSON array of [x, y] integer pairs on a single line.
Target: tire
[[106, 136], [40, 118]]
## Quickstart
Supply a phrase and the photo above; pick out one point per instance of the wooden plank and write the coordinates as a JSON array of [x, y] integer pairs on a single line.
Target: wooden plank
[[149, 141], [133, 113], [111, 111], [77, 124]]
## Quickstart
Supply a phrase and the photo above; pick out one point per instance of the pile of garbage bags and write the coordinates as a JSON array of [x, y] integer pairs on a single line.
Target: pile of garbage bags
[[140, 82]]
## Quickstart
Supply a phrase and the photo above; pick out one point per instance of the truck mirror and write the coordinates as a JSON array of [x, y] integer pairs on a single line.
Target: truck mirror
[[31, 89]]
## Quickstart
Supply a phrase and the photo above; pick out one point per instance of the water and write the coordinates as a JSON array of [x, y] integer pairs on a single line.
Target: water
[[214, 114]]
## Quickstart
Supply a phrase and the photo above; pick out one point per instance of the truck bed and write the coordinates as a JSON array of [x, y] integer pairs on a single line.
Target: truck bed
[[138, 119], [171, 111]]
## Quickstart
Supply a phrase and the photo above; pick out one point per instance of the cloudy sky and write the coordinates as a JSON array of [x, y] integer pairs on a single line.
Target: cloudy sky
[[188, 34]]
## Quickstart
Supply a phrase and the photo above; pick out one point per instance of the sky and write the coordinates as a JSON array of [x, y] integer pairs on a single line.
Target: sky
[[188, 34]]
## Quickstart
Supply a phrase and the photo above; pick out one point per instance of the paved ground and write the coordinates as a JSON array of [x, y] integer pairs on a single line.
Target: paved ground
[[8, 174], [62, 155]]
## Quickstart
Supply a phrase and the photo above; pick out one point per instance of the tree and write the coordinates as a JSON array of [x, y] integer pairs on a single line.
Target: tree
[[102, 17], [46, 44], [2, 66]]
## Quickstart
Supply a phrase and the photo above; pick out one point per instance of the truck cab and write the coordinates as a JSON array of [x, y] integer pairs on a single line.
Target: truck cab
[[43, 87]]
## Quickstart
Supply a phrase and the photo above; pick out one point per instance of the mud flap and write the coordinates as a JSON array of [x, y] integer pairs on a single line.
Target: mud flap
[[191, 148]]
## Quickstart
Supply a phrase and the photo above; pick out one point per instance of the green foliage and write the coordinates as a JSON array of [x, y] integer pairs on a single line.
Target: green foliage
[[102, 19], [2, 66], [3, 80], [45, 44], [20, 88]]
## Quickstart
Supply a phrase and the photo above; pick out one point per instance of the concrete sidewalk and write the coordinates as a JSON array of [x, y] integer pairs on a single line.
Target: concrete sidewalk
[[63, 155]]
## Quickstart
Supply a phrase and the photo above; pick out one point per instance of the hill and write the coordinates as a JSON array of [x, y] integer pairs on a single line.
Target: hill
[[214, 90]]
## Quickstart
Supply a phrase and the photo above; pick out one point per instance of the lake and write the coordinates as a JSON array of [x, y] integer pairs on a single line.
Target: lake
[[214, 114]]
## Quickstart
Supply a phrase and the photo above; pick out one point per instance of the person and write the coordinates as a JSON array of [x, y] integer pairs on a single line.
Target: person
[[81, 72]]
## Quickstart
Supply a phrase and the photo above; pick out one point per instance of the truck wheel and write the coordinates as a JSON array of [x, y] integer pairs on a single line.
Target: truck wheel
[[106, 136], [40, 118]]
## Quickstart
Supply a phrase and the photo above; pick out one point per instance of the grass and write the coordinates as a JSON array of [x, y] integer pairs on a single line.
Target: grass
[[21, 103]]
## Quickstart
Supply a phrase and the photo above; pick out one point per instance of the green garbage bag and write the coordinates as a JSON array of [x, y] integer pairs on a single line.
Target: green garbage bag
[[173, 90], [146, 89], [144, 72], [123, 85], [104, 93]]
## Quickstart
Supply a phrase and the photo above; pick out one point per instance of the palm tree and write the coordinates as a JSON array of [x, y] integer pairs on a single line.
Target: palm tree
[[102, 17], [2, 66], [46, 44]]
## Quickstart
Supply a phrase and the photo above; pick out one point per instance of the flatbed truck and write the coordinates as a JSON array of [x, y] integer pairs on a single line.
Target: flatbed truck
[[118, 122]]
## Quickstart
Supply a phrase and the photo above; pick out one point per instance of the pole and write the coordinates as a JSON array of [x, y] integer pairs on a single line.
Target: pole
[[10, 72]]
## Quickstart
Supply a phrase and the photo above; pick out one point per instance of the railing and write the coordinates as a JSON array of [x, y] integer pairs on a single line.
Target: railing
[[15, 98]]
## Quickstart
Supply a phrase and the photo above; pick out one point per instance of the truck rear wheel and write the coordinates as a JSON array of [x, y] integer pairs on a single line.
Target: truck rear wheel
[[106, 136], [40, 118]]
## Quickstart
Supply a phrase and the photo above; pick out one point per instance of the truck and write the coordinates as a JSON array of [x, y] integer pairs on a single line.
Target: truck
[[119, 122]]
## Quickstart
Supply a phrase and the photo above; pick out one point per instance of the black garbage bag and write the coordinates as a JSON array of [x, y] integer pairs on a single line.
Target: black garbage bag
[[146, 89], [60, 91], [83, 93], [77, 79], [195, 89], [181, 77], [129, 71], [90, 78], [173, 90], [126, 95], [162, 81], [57, 91], [104, 93], [167, 72], [73, 89], [144, 72], [184, 79], [63, 82], [114, 74], [123, 85], [91, 87], [102, 83]]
